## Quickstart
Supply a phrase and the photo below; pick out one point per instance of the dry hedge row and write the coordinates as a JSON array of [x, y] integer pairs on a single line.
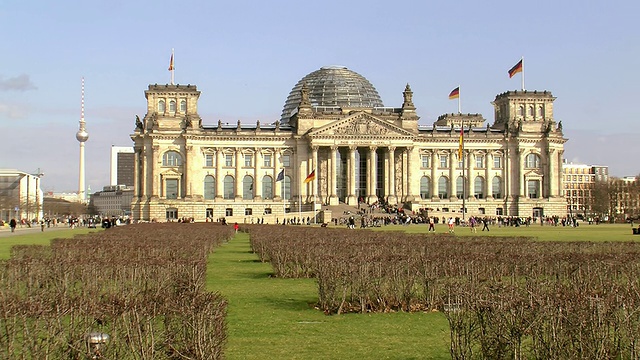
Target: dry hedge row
[[143, 285], [504, 297]]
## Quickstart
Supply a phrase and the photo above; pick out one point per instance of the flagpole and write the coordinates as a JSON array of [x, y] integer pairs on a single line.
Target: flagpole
[[172, 67], [464, 183], [459, 96], [522, 59]]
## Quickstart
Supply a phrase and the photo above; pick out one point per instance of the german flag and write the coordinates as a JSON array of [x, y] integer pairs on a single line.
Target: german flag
[[310, 177], [171, 67], [515, 69], [455, 93]]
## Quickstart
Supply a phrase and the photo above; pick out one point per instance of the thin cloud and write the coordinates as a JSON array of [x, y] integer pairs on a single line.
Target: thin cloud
[[12, 112], [18, 83]]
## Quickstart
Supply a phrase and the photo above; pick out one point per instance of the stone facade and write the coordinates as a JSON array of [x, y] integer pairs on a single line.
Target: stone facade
[[186, 169]]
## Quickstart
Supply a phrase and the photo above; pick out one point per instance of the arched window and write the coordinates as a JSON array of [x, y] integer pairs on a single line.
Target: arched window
[[496, 187], [530, 112], [267, 187], [247, 188], [209, 187], [229, 187], [443, 187], [161, 106], [171, 158], [520, 110], [532, 161], [172, 106], [286, 187], [478, 187], [183, 106], [425, 187], [540, 111]]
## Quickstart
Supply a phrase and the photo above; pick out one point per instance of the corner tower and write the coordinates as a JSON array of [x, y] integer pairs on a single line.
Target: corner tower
[[529, 111]]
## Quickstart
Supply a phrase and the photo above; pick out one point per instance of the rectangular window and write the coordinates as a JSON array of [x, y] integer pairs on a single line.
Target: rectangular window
[[499, 211], [228, 212], [248, 211], [480, 161], [497, 162], [228, 160], [460, 163], [286, 160], [267, 211], [426, 161], [208, 160], [247, 160], [171, 186], [444, 161], [267, 161], [533, 188]]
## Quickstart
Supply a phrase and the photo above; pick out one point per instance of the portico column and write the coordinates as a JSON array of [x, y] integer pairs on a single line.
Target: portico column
[[333, 181], [187, 171], [219, 177], [392, 196], [351, 177], [550, 174], [373, 183], [313, 184], [136, 173], [487, 174], [238, 174], [409, 169]]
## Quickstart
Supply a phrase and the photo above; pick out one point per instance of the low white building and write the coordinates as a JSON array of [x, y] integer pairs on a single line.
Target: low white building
[[20, 195]]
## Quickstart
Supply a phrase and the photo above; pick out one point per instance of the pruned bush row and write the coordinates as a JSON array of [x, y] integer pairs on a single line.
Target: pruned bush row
[[142, 285], [504, 297]]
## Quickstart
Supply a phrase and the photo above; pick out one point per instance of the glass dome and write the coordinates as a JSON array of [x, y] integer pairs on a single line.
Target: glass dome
[[333, 86]]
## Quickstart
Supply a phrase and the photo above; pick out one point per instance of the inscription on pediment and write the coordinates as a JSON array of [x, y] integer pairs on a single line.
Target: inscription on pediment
[[361, 127]]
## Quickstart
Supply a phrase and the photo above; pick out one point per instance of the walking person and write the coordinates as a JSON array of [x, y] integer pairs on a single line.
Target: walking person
[[472, 224], [451, 223], [13, 224], [485, 224], [236, 227], [432, 224]]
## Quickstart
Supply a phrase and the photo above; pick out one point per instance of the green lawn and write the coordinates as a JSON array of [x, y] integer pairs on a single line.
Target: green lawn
[[273, 318], [584, 232], [37, 238]]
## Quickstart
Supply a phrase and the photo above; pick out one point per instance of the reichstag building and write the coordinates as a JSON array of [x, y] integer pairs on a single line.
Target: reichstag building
[[335, 145]]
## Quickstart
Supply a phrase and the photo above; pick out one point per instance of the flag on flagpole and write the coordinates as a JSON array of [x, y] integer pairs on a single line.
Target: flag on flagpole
[[171, 67], [310, 177], [280, 176], [455, 93], [461, 140], [515, 69]]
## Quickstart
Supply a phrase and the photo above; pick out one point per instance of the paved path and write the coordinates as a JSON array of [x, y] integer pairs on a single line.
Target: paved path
[[6, 231]]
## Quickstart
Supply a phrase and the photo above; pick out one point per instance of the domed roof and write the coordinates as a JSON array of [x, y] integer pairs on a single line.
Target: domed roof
[[333, 86]]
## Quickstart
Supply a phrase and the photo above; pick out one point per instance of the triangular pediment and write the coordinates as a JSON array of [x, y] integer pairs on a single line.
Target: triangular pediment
[[170, 173], [361, 124], [533, 173]]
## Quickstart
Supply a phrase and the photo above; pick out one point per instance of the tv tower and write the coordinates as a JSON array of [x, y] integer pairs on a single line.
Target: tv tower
[[82, 135]]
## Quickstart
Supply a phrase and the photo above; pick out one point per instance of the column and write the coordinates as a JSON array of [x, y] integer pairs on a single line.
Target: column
[[238, 174], [155, 178], [452, 174], [219, 177], [312, 186], [351, 178], [409, 169], [521, 180], [257, 181], [550, 175], [372, 171], [333, 181], [277, 162], [137, 186], [434, 180], [392, 197], [470, 159], [187, 171], [487, 175]]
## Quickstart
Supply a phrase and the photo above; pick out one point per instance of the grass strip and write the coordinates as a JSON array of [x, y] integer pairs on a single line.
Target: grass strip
[[271, 318]]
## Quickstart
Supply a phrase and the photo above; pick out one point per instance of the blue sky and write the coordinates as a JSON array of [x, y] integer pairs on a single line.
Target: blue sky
[[245, 56]]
